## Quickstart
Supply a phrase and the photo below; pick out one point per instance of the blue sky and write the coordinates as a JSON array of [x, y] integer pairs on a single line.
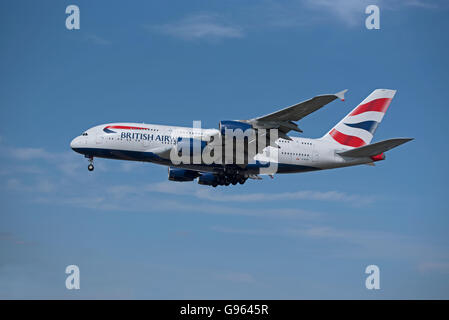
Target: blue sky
[[135, 235]]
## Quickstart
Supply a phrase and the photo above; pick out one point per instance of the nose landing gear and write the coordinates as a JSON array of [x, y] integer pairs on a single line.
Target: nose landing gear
[[90, 167]]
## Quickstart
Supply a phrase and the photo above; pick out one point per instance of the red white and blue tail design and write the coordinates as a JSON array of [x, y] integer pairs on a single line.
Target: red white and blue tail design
[[358, 127]]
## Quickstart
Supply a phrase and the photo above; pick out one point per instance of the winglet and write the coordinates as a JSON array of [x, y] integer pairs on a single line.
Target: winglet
[[341, 95]]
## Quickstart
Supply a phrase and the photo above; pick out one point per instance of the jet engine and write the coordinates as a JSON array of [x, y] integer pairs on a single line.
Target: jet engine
[[208, 179], [178, 174]]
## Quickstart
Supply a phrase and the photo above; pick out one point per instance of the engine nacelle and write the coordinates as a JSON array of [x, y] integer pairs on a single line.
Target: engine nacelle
[[208, 179], [225, 125], [178, 174]]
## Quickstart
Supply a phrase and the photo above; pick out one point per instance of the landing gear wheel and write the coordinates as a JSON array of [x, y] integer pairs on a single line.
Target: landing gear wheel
[[90, 167]]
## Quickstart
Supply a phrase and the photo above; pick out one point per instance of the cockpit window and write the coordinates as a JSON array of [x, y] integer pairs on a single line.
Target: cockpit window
[[84, 134]]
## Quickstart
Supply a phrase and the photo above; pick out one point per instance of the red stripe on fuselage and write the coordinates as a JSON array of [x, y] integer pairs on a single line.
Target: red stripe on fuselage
[[346, 140], [379, 105], [126, 128]]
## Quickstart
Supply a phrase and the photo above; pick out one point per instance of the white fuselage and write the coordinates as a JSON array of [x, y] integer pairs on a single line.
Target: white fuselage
[[138, 142]]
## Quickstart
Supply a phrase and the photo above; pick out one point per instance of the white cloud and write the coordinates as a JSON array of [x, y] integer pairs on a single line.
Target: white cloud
[[315, 232], [29, 153], [280, 212], [321, 232], [140, 198], [219, 195], [68, 162], [171, 187], [128, 166], [150, 204], [352, 12], [97, 40], [296, 195], [265, 14], [42, 185], [251, 232], [200, 26], [427, 4], [370, 244], [440, 267], [27, 169]]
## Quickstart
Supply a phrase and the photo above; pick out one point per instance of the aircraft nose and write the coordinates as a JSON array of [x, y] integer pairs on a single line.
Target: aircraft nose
[[75, 143]]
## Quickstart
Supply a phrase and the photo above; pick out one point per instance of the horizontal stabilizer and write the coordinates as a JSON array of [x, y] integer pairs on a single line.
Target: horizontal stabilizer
[[375, 148]]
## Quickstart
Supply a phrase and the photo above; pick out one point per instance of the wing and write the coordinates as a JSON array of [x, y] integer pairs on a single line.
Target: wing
[[283, 119]]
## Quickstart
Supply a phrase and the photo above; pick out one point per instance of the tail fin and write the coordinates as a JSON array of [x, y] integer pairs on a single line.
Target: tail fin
[[358, 127]]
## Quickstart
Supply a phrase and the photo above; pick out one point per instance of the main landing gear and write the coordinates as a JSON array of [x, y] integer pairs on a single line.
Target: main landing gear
[[227, 178], [90, 167]]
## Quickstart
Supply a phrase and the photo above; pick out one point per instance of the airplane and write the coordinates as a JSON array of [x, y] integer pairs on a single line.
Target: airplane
[[348, 143]]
